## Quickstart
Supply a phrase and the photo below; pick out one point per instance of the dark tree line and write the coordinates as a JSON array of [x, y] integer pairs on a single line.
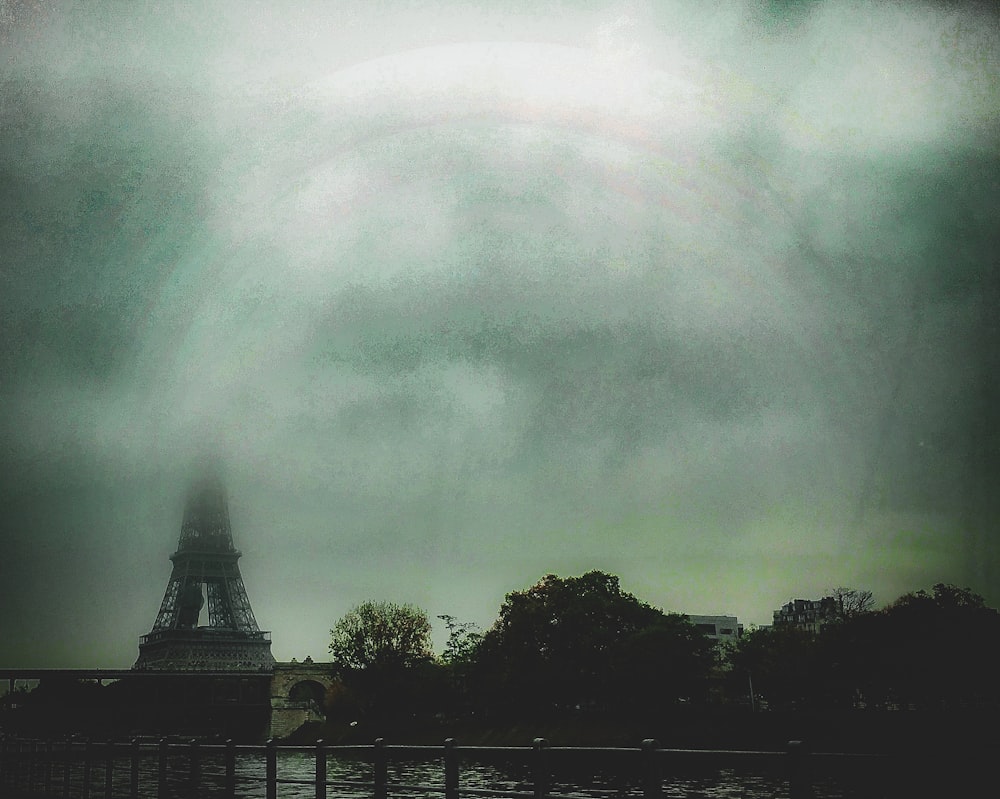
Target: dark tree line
[[567, 647], [926, 650], [562, 646], [583, 648]]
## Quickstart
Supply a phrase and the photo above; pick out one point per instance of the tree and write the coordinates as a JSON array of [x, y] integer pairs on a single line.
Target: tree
[[780, 661], [458, 662], [926, 649], [463, 639], [383, 654], [667, 661], [940, 648], [852, 601], [562, 644], [381, 636]]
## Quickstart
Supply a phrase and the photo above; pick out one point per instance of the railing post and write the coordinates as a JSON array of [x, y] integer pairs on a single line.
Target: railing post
[[320, 770], [8, 761], [10, 758], [161, 769], [230, 769], [15, 764], [540, 767], [13, 761], [194, 767], [109, 766], [271, 769], [67, 766], [799, 786], [88, 758], [47, 775], [381, 769], [652, 783], [133, 771], [32, 751], [450, 769], [26, 758]]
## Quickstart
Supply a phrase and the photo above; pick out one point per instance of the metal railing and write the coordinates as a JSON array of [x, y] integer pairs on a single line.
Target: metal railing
[[82, 769]]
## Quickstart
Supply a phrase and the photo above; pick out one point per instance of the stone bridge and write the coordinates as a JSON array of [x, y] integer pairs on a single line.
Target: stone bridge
[[298, 690]]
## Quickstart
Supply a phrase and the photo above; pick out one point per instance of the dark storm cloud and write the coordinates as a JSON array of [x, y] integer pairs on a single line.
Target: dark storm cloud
[[703, 297]]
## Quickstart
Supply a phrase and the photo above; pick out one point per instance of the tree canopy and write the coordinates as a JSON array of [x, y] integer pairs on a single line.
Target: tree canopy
[[463, 640], [853, 601], [584, 645], [581, 642], [381, 636], [386, 663], [934, 649]]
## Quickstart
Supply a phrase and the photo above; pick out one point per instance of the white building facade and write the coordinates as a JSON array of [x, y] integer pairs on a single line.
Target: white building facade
[[717, 628]]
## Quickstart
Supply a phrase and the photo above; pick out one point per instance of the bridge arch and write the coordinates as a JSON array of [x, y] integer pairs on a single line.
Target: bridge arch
[[298, 693], [289, 676], [308, 690]]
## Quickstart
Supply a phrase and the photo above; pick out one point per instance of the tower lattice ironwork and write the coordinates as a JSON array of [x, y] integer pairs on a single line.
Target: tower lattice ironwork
[[205, 567]]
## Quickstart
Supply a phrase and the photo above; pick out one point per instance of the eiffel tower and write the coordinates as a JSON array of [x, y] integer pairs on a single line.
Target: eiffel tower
[[205, 566]]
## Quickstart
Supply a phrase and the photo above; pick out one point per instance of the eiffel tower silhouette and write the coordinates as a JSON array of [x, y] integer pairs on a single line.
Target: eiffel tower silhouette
[[205, 565]]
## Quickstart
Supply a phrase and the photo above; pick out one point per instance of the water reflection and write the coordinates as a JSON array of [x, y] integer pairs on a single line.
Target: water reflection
[[350, 778], [600, 784]]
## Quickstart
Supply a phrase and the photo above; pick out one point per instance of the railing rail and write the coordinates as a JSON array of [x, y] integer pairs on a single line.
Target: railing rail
[[85, 769]]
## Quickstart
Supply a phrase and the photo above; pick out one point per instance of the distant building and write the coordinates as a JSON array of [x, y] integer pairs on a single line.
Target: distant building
[[717, 628], [807, 614]]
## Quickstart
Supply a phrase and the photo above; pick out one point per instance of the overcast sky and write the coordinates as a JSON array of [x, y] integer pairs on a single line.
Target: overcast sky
[[463, 296]]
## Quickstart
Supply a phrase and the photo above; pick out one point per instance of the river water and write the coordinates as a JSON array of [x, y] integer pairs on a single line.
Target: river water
[[296, 774]]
